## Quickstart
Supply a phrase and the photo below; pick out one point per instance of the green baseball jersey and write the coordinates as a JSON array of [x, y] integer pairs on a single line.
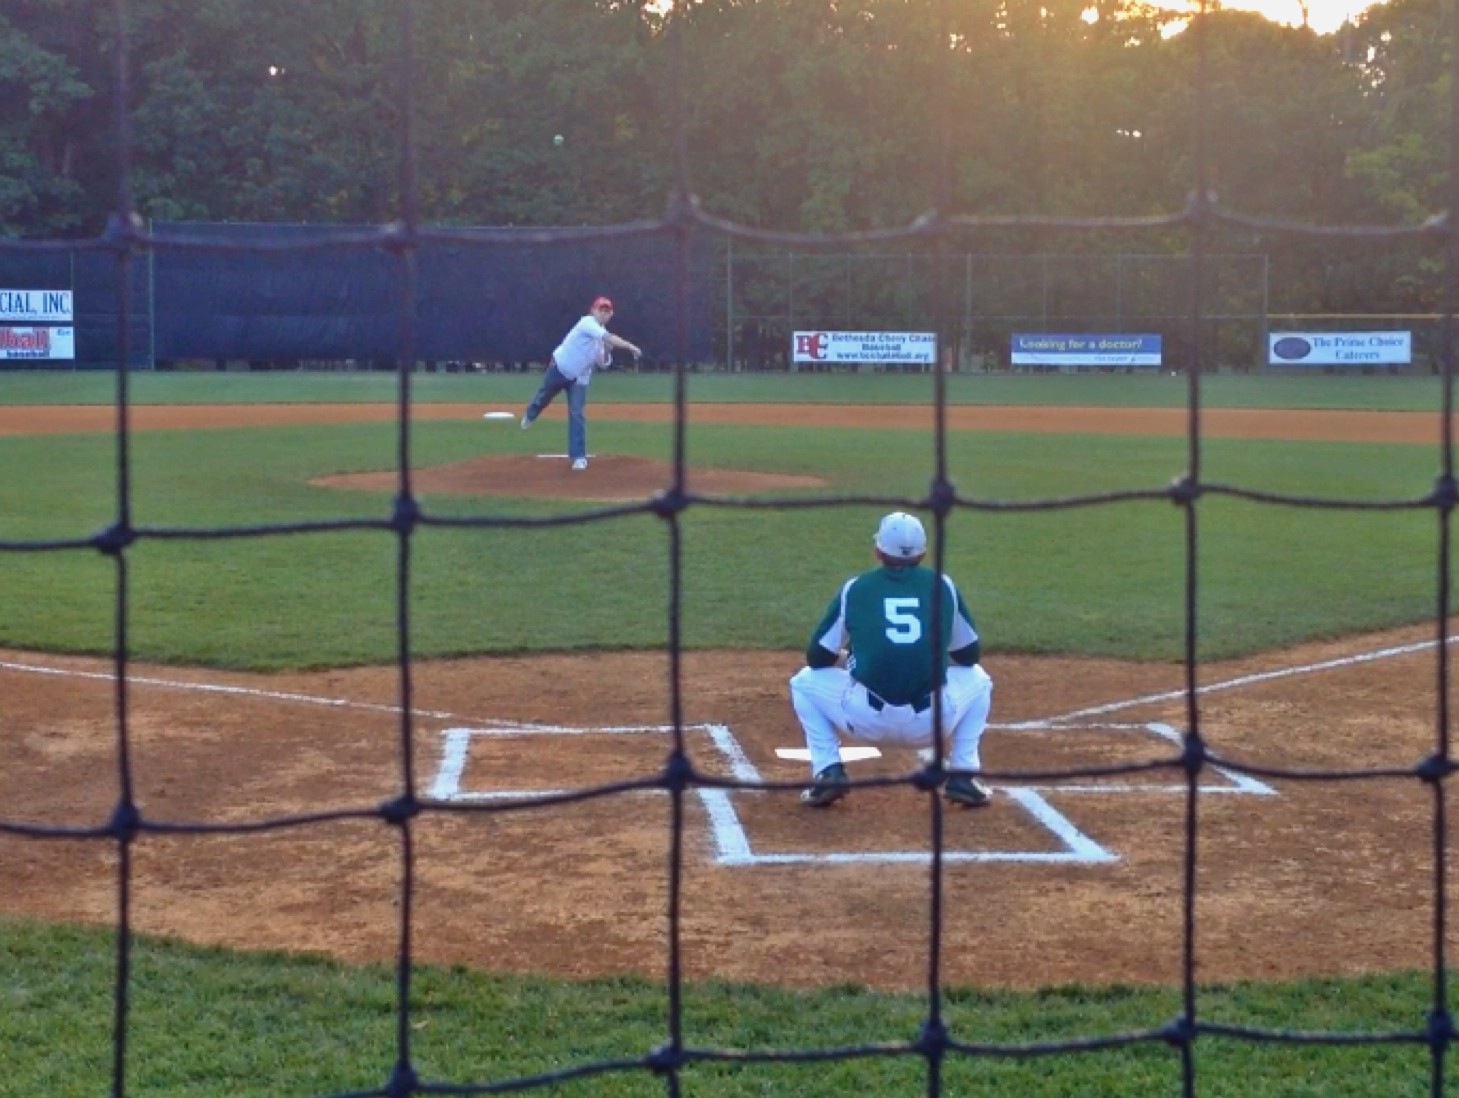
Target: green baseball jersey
[[884, 617]]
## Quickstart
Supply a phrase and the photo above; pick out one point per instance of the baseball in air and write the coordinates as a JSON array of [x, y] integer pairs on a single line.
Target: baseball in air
[[557, 140]]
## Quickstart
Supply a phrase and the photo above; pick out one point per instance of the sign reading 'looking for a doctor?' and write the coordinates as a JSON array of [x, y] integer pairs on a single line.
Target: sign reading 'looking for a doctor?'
[[1339, 348], [1085, 349]]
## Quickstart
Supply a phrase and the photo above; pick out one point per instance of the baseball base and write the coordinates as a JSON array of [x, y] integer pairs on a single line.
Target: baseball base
[[848, 754]]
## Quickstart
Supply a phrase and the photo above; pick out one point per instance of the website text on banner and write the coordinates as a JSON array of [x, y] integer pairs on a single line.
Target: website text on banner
[[1085, 349], [40, 337], [1339, 348], [846, 348]]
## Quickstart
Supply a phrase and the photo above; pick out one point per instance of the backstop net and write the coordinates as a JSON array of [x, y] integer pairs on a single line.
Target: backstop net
[[391, 262]]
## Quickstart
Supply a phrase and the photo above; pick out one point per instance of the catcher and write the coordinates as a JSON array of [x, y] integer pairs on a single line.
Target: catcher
[[882, 692]]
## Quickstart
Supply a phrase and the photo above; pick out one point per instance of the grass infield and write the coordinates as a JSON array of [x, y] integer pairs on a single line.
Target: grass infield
[[1101, 580], [1145, 390]]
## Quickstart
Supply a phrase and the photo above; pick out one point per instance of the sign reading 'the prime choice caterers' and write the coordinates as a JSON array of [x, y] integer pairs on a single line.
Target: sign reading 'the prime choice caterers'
[[35, 306], [845, 347], [1339, 348]]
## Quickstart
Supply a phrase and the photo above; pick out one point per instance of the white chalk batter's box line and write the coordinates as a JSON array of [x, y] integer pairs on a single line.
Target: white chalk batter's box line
[[733, 844], [732, 841]]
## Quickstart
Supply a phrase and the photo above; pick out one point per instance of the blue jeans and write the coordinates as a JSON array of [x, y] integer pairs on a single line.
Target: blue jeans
[[577, 403]]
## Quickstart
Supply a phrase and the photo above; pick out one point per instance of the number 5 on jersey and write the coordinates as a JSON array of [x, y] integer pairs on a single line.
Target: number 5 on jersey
[[903, 624]]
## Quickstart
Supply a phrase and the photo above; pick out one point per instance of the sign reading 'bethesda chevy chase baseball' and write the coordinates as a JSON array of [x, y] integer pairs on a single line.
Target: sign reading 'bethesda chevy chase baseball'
[[918, 348], [1085, 349], [1339, 348]]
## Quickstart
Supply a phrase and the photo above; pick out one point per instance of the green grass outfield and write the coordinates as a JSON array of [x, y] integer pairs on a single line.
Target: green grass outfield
[[212, 1024], [1101, 580], [1098, 390]]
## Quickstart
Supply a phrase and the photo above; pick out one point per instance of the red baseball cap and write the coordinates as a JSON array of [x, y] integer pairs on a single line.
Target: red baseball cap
[[602, 303]]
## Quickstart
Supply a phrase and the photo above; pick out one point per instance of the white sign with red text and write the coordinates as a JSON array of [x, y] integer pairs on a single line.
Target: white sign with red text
[[38, 343], [919, 348]]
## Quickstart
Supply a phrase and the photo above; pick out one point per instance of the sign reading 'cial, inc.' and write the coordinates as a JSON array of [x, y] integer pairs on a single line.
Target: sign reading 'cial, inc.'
[[35, 306], [1339, 348]]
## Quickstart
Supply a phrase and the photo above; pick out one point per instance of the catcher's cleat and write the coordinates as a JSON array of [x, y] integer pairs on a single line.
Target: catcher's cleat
[[830, 786], [968, 792]]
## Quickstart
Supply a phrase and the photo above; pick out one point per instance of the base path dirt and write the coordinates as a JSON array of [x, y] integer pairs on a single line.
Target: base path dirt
[[1350, 426], [1058, 881]]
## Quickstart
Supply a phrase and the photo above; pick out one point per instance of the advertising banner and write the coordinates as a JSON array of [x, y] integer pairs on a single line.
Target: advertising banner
[[918, 348], [1086, 349], [38, 343], [1339, 348], [35, 306]]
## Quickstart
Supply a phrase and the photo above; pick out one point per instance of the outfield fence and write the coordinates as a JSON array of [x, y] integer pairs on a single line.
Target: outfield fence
[[268, 297]]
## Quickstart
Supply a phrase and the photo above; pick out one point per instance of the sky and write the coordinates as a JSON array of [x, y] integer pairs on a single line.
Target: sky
[[1324, 16]]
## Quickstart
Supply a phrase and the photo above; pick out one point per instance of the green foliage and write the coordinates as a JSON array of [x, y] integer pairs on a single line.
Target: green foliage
[[801, 117], [207, 1022], [1404, 49], [808, 117], [38, 88]]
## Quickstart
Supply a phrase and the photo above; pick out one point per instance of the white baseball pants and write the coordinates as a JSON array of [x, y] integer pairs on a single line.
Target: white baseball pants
[[830, 704]]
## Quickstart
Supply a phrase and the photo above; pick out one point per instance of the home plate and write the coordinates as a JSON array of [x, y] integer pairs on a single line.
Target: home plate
[[498, 415], [848, 754]]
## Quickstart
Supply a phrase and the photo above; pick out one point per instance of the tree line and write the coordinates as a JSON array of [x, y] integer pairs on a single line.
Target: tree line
[[804, 115]]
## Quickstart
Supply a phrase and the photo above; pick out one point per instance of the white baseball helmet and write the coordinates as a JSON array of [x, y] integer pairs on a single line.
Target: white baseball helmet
[[901, 537]]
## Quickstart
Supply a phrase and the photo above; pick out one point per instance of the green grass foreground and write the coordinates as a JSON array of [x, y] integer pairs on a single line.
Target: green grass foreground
[[1102, 580], [207, 1023]]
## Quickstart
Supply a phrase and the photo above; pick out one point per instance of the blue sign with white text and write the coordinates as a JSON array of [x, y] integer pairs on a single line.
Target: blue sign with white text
[[1086, 349]]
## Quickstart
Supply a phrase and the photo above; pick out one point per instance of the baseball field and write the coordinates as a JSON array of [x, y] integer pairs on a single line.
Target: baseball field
[[271, 605]]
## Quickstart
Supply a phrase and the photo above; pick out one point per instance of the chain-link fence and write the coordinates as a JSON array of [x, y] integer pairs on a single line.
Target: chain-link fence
[[985, 299]]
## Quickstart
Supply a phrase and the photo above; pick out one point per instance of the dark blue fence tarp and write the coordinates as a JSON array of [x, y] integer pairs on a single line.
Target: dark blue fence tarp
[[475, 300]]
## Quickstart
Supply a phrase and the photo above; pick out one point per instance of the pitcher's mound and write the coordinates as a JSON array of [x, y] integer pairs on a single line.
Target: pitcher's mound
[[609, 477]]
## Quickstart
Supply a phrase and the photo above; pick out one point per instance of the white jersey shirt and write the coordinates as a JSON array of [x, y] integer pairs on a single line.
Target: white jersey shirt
[[584, 347]]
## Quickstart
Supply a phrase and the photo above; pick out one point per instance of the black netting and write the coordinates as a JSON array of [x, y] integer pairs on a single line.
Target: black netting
[[391, 260]]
